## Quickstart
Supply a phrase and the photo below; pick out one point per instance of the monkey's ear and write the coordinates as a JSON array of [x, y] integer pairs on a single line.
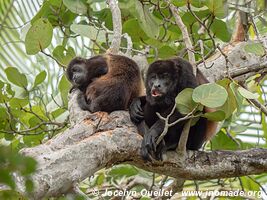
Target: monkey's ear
[[184, 71]]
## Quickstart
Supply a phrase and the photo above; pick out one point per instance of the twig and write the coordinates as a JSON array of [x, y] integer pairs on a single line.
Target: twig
[[117, 27], [258, 105], [129, 44], [185, 34], [168, 125], [60, 64], [245, 70]]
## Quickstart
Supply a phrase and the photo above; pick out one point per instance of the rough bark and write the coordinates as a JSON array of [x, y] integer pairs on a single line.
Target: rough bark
[[95, 141], [242, 64]]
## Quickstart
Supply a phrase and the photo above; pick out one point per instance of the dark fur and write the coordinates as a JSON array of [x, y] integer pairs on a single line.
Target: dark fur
[[109, 82], [171, 77]]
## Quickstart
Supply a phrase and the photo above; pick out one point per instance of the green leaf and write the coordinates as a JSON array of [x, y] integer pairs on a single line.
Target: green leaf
[[230, 105], [29, 166], [179, 3], [249, 184], [166, 52], [39, 78], [76, 6], [6, 178], [56, 3], [15, 77], [64, 55], [39, 36], [146, 20], [100, 179], [222, 142], [219, 28], [105, 16], [43, 11], [29, 185], [126, 4], [134, 30], [216, 7], [18, 103], [89, 31], [218, 115], [123, 170], [247, 94], [184, 102], [239, 128], [238, 97], [64, 87], [211, 95], [255, 48]]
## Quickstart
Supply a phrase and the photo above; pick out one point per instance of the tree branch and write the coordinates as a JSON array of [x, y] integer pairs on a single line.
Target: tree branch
[[187, 40], [101, 140], [117, 27], [244, 64]]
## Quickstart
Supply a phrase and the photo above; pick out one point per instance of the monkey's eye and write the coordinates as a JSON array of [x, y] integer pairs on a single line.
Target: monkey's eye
[[76, 69], [166, 75], [153, 76]]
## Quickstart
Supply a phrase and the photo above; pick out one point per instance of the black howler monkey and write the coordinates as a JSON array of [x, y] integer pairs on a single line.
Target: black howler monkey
[[107, 82], [164, 80]]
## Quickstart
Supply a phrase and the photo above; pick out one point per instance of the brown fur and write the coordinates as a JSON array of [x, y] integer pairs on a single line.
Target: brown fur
[[116, 89]]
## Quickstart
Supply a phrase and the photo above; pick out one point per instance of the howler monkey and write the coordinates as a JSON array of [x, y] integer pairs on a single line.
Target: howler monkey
[[107, 82], [164, 80]]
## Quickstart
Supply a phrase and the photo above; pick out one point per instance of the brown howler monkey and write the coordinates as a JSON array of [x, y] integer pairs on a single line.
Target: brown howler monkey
[[164, 80], [107, 82]]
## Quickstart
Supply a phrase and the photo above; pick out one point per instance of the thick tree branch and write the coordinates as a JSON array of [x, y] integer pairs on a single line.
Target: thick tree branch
[[117, 27], [243, 64], [102, 140]]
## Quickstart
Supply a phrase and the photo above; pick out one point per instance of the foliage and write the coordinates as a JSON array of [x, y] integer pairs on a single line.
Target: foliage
[[11, 161], [58, 30]]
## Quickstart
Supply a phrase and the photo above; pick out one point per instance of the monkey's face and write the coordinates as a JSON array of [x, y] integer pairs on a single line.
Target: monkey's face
[[77, 72], [161, 82]]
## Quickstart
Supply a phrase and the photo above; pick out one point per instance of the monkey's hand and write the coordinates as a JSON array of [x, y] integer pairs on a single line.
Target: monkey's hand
[[136, 111], [84, 105], [149, 147]]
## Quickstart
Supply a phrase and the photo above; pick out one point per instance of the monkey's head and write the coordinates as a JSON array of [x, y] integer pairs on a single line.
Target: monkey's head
[[166, 78], [81, 72], [161, 82]]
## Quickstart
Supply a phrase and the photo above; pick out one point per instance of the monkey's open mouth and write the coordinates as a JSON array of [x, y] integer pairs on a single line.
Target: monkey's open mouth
[[156, 93]]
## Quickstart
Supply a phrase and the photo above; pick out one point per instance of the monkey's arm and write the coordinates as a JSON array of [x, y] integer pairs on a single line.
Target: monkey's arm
[[149, 146], [82, 102], [136, 109]]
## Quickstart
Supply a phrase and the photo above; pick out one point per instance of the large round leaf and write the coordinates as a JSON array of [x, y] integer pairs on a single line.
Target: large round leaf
[[219, 28], [39, 36], [89, 31], [76, 6], [184, 102], [211, 95]]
